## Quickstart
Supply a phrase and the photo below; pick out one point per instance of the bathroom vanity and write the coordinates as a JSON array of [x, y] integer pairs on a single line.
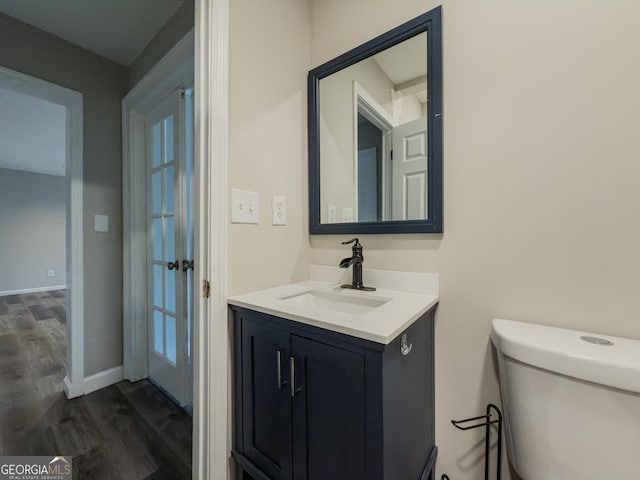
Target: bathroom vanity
[[329, 384]]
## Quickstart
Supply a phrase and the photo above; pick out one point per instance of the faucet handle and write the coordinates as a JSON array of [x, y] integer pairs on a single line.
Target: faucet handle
[[357, 247]]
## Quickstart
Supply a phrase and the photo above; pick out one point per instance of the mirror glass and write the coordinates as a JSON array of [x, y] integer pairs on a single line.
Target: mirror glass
[[375, 134], [373, 137]]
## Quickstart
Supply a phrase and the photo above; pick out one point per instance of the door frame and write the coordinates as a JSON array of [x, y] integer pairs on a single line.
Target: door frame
[[364, 103], [174, 70], [72, 100], [211, 376]]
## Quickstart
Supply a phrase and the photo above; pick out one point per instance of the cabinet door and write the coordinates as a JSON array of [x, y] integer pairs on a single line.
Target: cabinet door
[[266, 406], [328, 412]]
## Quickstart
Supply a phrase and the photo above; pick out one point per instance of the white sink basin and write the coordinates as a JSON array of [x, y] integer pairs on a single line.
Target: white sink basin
[[379, 316], [338, 302]]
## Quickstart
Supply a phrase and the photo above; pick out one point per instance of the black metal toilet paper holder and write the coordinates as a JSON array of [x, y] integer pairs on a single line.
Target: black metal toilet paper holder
[[485, 421]]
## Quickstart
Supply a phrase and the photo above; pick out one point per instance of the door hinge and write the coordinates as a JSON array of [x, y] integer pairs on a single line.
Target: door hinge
[[391, 155], [206, 289], [182, 92]]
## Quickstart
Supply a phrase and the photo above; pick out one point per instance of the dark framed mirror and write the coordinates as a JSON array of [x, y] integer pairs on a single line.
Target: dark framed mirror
[[375, 134]]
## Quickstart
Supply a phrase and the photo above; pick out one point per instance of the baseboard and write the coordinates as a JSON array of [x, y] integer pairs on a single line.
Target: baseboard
[[69, 390], [103, 379], [33, 290]]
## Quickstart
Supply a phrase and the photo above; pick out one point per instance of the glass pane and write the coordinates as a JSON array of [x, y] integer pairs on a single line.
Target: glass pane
[[157, 285], [156, 192], [171, 339], [157, 332], [157, 239], [156, 144], [170, 291], [170, 240], [168, 190], [168, 139]]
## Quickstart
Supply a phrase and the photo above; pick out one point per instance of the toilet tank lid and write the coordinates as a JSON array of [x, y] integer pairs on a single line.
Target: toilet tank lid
[[563, 351]]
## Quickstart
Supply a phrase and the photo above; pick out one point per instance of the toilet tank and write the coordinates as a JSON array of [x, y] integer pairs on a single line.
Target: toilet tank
[[571, 402]]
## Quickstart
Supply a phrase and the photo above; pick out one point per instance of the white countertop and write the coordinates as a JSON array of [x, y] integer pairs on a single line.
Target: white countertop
[[381, 324]]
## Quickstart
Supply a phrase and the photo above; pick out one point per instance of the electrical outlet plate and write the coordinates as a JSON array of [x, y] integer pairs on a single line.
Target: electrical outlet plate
[[244, 206], [331, 213], [279, 210], [347, 214]]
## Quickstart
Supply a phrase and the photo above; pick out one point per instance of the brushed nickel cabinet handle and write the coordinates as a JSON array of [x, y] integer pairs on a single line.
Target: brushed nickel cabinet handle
[[292, 376], [279, 367]]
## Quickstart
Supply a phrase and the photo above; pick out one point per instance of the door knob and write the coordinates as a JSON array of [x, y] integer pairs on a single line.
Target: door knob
[[173, 265], [186, 265]]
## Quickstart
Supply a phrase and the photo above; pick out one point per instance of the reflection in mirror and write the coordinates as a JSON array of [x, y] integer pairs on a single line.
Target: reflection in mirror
[[375, 134], [373, 137]]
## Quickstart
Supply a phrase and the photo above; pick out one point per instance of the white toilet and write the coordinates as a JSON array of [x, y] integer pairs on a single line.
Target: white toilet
[[571, 402]]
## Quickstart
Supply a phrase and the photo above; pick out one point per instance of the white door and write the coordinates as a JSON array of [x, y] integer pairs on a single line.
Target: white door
[[169, 246], [410, 170]]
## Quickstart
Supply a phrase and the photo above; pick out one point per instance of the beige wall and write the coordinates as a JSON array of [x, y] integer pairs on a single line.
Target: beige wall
[[269, 59], [541, 150]]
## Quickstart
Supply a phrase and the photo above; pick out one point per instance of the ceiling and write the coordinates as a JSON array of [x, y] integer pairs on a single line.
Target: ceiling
[[404, 74], [115, 29], [32, 134]]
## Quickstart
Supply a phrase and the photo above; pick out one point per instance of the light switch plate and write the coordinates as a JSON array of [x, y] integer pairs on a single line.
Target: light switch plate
[[279, 210], [101, 223], [244, 206]]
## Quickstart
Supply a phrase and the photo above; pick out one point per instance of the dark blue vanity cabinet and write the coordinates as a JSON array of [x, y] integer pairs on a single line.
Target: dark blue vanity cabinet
[[312, 404]]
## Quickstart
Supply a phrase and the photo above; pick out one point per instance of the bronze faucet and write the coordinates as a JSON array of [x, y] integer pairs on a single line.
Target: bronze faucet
[[356, 260]]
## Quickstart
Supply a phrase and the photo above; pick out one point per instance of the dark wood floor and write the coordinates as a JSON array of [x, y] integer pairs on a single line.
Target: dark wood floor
[[33, 347], [125, 431]]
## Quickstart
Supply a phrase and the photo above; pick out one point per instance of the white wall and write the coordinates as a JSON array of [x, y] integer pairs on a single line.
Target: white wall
[[32, 230], [269, 59], [541, 150]]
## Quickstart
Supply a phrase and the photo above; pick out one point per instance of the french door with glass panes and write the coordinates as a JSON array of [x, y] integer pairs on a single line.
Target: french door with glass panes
[[170, 244]]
